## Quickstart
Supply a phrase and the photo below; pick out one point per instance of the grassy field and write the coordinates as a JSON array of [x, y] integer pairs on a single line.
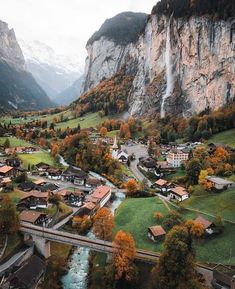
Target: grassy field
[[179, 173], [135, 216], [15, 142], [215, 203], [141, 210], [86, 121], [227, 137], [36, 158]]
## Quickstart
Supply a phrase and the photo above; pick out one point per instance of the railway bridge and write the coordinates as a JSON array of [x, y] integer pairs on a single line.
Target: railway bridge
[[42, 236]]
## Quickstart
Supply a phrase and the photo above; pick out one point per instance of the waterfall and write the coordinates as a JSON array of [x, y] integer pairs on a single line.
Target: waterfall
[[169, 72]]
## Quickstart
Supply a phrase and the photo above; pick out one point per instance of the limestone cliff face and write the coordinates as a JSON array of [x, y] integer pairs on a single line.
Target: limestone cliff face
[[10, 51], [183, 65]]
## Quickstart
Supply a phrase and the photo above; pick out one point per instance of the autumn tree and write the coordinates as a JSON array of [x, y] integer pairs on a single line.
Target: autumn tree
[[103, 131], [193, 169], [55, 150], [172, 219], [131, 187], [124, 253], [82, 224], [9, 219], [195, 229], [103, 224], [202, 178], [176, 268], [158, 216]]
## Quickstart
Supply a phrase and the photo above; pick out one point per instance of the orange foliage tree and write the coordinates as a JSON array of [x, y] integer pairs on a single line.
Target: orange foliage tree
[[124, 253], [131, 186], [103, 131], [103, 224], [55, 150]]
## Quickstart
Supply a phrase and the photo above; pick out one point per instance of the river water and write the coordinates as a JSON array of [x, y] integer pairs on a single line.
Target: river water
[[76, 277]]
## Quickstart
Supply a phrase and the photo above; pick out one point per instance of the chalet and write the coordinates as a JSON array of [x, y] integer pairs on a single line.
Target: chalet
[[147, 164], [88, 209], [47, 187], [20, 150], [26, 186], [219, 183], [156, 233], [176, 157], [34, 200], [39, 182], [42, 167], [223, 277], [163, 185], [74, 175], [102, 194], [163, 168], [208, 226], [74, 198], [5, 182], [28, 275], [93, 183], [178, 193], [54, 174], [33, 217], [7, 171], [13, 162]]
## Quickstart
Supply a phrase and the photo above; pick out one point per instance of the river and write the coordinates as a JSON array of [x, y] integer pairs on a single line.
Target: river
[[76, 277]]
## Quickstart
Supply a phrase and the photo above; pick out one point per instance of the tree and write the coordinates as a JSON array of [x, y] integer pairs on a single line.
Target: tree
[[123, 255], [9, 219], [176, 266], [55, 150], [158, 216], [6, 144], [195, 229], [193, 169], [103, 131], [103, 224], [202, 178], [131, 187], [172, 219]]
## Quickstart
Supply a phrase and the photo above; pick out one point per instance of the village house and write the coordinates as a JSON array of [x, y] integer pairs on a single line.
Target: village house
[[101, 195], [178, 193], [13, 162], [54, 174], [163, 186], [28, 274], [177, 157], [34, 218], [163, 169], [7, 171], [42, 167], [34, 200], [93, 183], [156, 233], [5, 182], [20, 150], [26, 186], [73, 198], [88, 209], [74, 175], [147, 164], [207, 225], [219, 183]]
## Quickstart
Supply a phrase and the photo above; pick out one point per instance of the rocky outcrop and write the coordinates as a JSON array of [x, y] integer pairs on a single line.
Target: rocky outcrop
[[194, 71], [18, 89]]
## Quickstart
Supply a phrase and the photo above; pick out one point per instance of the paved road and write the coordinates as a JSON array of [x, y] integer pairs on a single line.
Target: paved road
[[13, 260], [139, 150]]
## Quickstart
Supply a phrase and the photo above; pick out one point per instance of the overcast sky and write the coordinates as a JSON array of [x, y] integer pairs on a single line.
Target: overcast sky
[[65, 25]]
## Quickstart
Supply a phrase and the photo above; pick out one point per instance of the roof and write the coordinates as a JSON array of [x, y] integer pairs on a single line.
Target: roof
[[148, 162], [5, 169], [6, 180], [89, 205], [219, 181], [30, 216], [28, 273], [101, 192], [93, 181], [36, 194], [180, 191], [157, 231], [65, 192], [42, 164], [161, 182], [39, 182], [73, 171], [200, 220]]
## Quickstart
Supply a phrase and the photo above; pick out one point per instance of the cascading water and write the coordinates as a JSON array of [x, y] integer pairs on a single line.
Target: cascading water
[[76, 278], [169, 70]]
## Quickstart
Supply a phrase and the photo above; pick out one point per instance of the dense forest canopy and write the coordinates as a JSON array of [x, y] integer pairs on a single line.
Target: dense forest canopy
[[183, 8], [124, 28]]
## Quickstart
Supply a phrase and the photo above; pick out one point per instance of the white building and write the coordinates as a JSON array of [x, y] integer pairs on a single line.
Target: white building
[[176, 157], [118, 154]]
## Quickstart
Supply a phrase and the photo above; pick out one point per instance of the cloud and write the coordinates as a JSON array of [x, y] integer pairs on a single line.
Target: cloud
[[65, 25]]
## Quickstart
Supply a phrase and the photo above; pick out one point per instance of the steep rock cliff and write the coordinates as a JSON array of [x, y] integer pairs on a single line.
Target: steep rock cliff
[[18, 89], [184, 65]]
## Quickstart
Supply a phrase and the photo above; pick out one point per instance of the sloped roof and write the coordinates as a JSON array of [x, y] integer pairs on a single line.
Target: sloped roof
[[200, 220], [157, 231]]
